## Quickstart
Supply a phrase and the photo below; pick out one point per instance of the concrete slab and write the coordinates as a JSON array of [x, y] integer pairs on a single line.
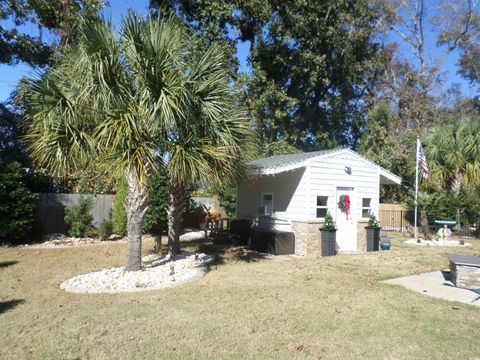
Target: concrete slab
[[436, 284]]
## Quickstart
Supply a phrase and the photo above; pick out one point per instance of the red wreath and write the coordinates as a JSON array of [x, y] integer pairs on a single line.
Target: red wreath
[[344, 204], [347, 204]]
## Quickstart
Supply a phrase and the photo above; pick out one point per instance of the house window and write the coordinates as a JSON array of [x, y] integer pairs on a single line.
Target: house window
[[366, 207], [322, 207], [267, 204]]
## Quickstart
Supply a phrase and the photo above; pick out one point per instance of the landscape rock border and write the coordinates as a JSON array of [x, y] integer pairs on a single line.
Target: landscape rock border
[[436, 243], [158, 273]]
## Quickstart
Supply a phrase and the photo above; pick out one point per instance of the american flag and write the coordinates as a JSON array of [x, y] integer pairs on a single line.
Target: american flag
[[423, 161]]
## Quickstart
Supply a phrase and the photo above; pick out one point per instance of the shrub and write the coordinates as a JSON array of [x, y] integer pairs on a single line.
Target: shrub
[[119, 213], [17, 204], [155, 220], [228, 200], [105, 229], [372, 221], [329, 223], [79, 218]]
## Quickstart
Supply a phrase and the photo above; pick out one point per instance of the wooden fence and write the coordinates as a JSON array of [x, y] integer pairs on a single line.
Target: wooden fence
[[395, 217], [51, 210]]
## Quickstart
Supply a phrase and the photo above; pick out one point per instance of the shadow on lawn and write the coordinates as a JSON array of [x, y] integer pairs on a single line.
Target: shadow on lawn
[[221, 253], [4, 264], [227, 253], [8, 305]]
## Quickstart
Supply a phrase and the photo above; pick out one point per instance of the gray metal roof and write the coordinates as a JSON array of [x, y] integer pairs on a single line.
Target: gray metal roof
[[280, 163], [285, 160]]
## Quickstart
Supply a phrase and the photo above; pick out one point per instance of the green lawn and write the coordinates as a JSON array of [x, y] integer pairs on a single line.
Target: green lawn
[[325, 308]]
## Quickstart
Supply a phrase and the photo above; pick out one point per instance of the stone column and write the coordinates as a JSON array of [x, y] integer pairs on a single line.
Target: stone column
[[361, 236], [307, 237]]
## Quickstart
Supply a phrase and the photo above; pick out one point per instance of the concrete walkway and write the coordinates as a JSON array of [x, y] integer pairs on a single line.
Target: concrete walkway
[[436, 284]]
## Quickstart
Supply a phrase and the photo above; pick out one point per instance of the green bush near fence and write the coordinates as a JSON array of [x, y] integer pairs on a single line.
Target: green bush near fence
[[17, 204], [78, 218], [119, 214], [155, 220], [105, 229]]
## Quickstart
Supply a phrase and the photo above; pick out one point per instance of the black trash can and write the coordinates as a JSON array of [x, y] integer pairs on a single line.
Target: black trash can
[[240, 230]]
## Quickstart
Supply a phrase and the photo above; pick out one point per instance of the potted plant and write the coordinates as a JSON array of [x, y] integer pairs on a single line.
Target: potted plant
[[373, 233], [328, 232]]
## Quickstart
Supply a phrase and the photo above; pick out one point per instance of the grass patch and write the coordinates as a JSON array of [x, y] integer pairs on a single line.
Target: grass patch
[[245, 307]]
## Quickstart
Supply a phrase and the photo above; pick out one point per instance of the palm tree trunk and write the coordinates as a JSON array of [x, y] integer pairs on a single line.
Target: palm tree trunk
[[424, 225], [158, 243], [456, 187], [457, 181], [175, 212], [136, 208]]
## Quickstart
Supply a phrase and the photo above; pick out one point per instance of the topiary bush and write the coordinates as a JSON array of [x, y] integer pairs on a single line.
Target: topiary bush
[[17, 204], [329, 223], [119, 213], [79, 218], [105, 229], [373, 221], [155, 220]]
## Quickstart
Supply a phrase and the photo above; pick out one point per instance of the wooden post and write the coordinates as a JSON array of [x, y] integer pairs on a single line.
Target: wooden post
[[401, 221]]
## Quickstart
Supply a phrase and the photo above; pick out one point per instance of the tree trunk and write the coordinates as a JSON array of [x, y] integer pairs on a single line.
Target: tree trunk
[[456, 187], [136, 208], [175, 212], [158, 243], [424, 225]]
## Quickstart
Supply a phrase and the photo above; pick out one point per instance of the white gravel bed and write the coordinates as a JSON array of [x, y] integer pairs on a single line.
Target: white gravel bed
[[158, 273], [61, 241], [449, 243], [191, 234], [67, 242]]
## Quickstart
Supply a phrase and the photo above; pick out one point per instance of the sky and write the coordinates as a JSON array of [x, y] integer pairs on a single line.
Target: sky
[[10, 75]]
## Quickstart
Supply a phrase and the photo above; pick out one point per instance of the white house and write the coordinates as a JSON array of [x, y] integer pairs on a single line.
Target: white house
[[295, 192]]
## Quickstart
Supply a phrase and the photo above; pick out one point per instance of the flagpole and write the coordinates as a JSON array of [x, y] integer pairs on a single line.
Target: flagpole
[[416, 189]]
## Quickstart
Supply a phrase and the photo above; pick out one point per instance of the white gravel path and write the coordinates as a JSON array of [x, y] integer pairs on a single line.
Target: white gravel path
[[449, 243], [158, 273]]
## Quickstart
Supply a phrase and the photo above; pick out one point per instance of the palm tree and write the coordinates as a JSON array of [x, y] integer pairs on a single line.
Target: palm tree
[[453, 153], [211, 143], [126, 103], [211, 147]]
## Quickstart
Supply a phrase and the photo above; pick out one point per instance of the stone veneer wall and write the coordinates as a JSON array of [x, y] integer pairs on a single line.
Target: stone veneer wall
[[465, 276], [361, 236], [307, 237]]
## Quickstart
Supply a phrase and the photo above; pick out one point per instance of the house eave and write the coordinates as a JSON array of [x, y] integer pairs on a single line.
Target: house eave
[[387, 178], [279, 169]]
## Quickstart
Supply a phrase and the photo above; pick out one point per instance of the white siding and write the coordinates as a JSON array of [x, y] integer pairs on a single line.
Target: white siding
[[295, 192], [290, 194], [328, 173]]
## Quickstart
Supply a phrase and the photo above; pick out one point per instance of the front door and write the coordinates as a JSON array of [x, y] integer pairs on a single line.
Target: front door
[[346, 224]]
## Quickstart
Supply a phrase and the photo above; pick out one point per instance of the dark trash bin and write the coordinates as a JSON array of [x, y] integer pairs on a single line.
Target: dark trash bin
[[240, 230], [272, 241]]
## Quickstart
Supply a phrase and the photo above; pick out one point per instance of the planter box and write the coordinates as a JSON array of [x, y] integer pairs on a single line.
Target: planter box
[[329, 243], [373, 238]]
